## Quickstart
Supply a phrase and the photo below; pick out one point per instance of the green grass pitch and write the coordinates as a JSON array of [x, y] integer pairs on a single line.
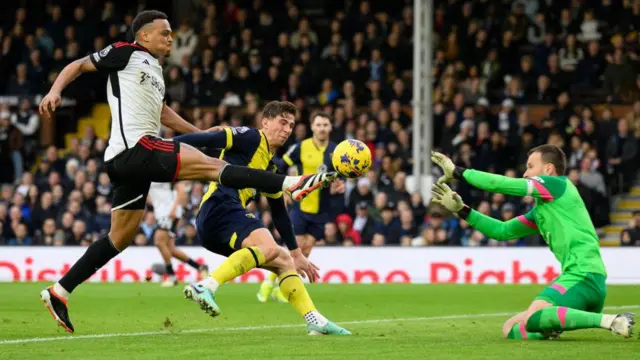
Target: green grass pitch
[[144, 321]]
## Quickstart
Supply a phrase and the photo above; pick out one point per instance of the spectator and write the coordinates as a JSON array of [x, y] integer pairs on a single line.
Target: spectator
[[630, 236], [184, 44], [389, 226], [45, 235], [622, 149], [21, 236], [345, 226], [592, 178], [20, 84], [619, 77], [28, 122]]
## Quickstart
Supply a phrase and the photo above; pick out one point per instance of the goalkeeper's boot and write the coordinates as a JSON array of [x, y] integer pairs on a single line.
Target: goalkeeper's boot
[[204, 297], [276, 295], [301, 186], [265, 289], [623, 325], [57, 306], [329, 329]]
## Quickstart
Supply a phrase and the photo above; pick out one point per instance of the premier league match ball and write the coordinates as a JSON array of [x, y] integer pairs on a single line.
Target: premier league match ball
[[352, 158]]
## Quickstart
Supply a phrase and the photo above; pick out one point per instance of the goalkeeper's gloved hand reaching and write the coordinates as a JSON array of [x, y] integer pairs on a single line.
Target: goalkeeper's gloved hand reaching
[[443, 195], [447, 166]]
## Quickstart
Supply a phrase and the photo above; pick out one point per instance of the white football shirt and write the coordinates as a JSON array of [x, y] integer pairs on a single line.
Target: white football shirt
[[135, 92]]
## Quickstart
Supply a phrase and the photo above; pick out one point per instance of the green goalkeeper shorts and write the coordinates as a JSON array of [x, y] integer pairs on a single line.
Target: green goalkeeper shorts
[[577, 291]]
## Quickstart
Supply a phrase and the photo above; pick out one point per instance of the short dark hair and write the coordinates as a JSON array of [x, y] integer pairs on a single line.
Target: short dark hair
[[552, 154], [146, 17], [276, 108], [321, 114]]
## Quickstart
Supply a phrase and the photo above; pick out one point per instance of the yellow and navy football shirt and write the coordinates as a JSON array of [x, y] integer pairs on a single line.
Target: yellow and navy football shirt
[[310, 158], [248, 147]]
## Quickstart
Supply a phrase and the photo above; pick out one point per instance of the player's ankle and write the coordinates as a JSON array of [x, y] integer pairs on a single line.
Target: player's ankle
[[315, 318], [210, 283], [607, 321], [60, 291]]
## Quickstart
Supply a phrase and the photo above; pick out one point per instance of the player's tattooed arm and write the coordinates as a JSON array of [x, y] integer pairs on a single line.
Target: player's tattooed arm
[[171, 119], [70, 72]]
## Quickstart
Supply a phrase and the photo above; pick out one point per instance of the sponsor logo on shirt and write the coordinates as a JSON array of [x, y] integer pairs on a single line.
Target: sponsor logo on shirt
[[146, 78]]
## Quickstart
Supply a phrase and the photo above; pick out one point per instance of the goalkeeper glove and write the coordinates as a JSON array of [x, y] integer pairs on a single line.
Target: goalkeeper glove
[[448, 167], [443, 195]]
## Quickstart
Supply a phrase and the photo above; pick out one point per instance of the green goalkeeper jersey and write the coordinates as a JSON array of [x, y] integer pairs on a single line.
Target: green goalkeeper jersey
[[559, 215]]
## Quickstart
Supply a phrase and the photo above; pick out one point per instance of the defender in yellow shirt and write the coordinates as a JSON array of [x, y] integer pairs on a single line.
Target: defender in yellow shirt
[[309, 216], [225, 227]]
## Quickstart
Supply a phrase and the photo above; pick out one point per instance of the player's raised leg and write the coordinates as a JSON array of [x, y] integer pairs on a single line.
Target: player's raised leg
[[194, 165], [124, 224]]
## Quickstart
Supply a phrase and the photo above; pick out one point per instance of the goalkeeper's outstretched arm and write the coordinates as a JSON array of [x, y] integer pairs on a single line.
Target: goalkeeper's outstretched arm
[[516, 228], [545, 188], [523, 225]]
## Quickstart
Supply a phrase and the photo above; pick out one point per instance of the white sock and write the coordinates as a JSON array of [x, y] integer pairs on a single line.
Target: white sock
[[314, 317], [210, 283], [290, 181], [607, 321], [58, 289]]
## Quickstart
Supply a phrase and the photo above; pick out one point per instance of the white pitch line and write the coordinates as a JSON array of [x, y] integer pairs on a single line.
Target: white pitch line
[[271, 327]]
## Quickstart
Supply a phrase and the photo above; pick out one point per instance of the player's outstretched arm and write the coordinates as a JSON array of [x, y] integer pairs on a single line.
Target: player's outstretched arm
[[172, 120], [212, 140], [515, 228], [70, 72], [519, 227], [545, 188]]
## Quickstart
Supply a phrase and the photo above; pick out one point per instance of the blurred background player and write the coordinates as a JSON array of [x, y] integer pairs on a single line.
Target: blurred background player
[[227, 228], [168, 206], [309, 217]]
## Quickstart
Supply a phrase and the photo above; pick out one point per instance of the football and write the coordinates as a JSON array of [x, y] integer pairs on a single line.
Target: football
[[352, 158]]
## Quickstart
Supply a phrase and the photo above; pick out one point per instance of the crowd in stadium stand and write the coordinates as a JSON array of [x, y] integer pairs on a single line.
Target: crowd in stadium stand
[[490, 61]]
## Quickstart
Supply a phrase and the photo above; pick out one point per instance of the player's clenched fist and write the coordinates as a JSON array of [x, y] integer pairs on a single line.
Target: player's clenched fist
[[446, 164], [49, 103]]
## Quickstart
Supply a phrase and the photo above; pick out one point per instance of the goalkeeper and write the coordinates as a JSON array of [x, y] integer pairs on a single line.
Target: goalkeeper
[[576, 298]]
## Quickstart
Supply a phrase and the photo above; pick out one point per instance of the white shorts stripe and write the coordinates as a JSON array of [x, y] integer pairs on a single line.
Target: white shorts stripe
[[127, 203]]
